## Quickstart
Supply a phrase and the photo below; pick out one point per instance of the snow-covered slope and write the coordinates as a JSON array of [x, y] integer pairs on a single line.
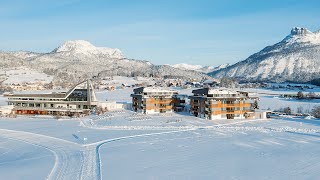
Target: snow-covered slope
[[85, 48], [10, 60], [199, 68], [187, 66], [296, 58], [76, 60]]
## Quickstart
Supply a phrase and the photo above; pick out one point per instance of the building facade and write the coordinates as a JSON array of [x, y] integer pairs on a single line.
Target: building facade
[[222, 104], [80, 99], [150, 100]]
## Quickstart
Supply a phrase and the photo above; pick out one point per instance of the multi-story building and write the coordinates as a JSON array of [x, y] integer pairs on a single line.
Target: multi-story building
[[155, 100], [80, 99], [222, 104]]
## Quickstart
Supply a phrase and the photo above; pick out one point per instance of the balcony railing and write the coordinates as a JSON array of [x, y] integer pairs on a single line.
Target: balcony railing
[[229, 105]]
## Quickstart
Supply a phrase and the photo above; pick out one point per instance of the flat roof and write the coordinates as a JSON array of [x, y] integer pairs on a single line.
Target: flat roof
[[49, 95]]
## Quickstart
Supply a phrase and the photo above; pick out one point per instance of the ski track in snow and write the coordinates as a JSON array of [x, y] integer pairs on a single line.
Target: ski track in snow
[[76, 161], [191, 128], [72, 161]]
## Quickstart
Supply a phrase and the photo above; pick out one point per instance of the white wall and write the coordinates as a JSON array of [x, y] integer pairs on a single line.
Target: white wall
[[114, 105]]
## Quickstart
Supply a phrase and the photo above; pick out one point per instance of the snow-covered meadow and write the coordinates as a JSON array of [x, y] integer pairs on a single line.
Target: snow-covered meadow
[[22, 75], [121, 144]]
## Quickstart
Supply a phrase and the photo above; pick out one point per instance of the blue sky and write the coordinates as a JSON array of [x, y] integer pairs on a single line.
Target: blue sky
[[206, 32]]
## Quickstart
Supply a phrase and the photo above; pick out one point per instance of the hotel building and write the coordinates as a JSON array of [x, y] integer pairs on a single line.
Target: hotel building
[[80, 99], [155, 100], [222, 104]]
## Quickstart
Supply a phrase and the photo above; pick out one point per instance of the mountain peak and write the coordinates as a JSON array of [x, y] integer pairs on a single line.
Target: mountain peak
[[302, 35], [300, 31], [74, 45], [86, 48], [295, 58]]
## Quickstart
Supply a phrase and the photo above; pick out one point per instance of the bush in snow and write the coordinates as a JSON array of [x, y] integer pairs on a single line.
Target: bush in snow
[[315, 112], [287, 110], [300, 95]]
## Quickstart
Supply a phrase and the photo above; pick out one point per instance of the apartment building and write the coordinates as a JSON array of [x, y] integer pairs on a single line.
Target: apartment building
[[150, 100], [80, 99], [222, 104]]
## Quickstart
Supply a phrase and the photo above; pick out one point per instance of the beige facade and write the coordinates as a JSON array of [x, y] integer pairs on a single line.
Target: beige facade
[[154, 100], [221, 104]]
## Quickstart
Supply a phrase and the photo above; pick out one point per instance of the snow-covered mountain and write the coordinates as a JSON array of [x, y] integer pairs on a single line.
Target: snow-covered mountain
[[199, 68], [77, 60], [296, 58], [187, 66], [85, 48]]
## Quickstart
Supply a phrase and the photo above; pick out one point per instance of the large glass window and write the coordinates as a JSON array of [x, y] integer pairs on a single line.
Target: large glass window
[[78, 95]]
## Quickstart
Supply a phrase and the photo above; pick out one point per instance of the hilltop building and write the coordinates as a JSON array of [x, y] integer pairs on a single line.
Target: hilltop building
[[222, 104]]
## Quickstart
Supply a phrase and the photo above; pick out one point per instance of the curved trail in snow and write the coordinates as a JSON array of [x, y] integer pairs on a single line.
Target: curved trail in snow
[[77, 161], [98, 144], [71, 159]]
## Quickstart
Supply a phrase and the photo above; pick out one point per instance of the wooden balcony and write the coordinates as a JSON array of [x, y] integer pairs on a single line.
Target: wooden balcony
[[229, 105]]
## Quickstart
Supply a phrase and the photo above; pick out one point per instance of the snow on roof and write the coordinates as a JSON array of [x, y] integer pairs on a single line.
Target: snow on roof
[[155, 89], [221, 91]]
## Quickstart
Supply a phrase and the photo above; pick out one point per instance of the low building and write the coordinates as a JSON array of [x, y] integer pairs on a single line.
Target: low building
[[6, 110], [112, 105], [80, 99], [155, 100], [222, 104]]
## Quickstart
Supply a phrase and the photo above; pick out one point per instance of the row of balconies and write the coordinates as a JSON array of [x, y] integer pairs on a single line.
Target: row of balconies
[[227, 112], [228, 105], [153, 106], [157, 102]]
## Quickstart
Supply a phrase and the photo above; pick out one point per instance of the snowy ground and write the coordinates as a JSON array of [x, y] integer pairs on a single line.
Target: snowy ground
[[24, 75], [125, 145]]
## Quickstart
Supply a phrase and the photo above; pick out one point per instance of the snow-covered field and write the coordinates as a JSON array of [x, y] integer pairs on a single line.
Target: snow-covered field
[[24, 75], [124, 145]]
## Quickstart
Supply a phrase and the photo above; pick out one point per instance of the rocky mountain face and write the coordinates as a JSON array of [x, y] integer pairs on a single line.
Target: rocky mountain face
[[77, 60], [296, 58]]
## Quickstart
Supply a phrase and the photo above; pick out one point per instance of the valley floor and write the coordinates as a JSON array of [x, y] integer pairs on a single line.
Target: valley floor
[[124, 145]]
